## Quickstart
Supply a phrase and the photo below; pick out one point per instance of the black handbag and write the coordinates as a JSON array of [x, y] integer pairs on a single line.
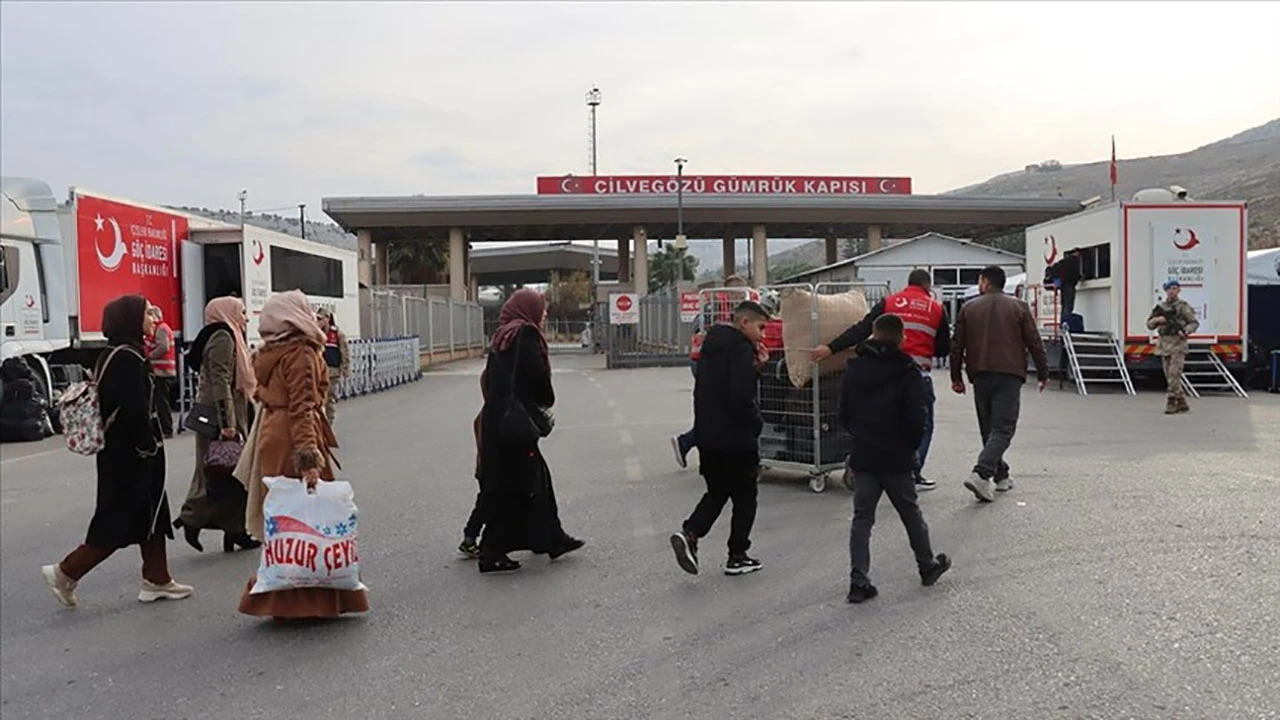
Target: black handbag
[[519, 426], [203, 420]]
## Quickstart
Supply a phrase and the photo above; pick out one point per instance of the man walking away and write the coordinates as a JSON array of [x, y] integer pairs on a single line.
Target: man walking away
[[1173, 320], [1069, 274], [927, 336], [727, 422], [883, 407], [337, 356], [162, 352], [993, 334]]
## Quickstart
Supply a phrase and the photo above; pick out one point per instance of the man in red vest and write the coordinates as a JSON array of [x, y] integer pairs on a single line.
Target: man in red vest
[[927, 336], [162, 351]]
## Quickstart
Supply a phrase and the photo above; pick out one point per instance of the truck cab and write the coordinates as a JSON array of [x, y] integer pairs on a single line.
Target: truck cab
[[33, 308]]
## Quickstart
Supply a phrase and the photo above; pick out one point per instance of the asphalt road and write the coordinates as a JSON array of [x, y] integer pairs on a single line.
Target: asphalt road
[[1133, 572]]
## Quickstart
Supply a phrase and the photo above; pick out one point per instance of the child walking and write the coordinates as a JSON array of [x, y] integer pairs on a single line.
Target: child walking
[[883, 407], [727, 423]]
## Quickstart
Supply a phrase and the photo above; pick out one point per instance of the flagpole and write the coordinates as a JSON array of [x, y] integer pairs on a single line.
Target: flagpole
[[1113, 170]]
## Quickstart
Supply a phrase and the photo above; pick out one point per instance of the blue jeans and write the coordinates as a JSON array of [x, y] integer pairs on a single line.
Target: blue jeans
[[922, 453]]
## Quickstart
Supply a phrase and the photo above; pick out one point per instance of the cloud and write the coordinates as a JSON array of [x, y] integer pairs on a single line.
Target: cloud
[[188, 103]]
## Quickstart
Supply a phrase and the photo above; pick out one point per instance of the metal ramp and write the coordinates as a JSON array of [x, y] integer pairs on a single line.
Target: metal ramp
[[1205, 372], [1096, 359]]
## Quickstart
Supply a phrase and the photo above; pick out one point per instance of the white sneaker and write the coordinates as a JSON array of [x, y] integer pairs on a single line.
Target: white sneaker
[[1004, 485], [982, 488], [174, 590], [63, 587]]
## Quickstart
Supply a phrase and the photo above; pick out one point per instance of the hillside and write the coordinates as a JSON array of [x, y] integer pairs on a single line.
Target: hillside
[[326, 233], [1242, 167]]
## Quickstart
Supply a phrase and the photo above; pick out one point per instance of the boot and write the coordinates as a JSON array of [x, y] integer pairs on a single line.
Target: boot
[[242, 540], [1170, 405], [1183, 407]]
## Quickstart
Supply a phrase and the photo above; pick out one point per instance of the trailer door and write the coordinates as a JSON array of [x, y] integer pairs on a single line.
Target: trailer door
[[193, 297]]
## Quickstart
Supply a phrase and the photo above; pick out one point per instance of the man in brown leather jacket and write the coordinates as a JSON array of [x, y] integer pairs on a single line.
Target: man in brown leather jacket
[[993, 334]]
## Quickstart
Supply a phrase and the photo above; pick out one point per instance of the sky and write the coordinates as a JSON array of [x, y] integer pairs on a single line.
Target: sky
[[188, 103]]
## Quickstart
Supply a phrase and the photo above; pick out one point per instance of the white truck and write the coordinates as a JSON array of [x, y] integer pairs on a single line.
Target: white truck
[[1128, 250], [62, 263]]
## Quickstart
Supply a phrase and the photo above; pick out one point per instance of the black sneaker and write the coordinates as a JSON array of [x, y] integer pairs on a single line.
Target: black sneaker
[[859, 593], [469, 548], [941, 564], [923, 483], [741, 565], [686, 549]]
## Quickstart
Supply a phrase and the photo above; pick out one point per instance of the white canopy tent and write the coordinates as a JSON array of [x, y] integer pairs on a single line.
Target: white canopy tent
[[1263, 267]]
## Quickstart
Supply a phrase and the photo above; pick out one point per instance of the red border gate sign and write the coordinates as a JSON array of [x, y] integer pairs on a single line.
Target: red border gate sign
[[690, 307], [722, 185], [624, 309]]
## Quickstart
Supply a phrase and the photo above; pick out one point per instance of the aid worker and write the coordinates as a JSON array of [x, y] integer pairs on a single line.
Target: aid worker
[[337, 356], [162, 352], [927, 336]]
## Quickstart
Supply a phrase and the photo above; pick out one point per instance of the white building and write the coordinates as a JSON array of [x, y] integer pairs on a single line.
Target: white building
[[952, 261]]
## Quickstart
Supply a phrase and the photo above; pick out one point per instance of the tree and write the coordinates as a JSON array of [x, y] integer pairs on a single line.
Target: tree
[[665, 267], [418, 263], [568, 294]]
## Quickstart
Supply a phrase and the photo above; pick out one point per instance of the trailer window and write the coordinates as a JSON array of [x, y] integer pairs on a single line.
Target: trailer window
[[314, 275], [946, 276], [969, 276], [1095, 262]]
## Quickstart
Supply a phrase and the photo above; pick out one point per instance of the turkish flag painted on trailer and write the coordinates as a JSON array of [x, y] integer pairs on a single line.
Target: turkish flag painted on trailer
[[128, 250]]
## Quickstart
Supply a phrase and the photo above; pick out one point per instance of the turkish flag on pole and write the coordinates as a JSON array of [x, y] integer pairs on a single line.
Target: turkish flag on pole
[[1115, 174]]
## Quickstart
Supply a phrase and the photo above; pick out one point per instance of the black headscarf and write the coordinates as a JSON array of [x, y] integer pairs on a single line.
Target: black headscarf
[[122, 321], [195, 356]]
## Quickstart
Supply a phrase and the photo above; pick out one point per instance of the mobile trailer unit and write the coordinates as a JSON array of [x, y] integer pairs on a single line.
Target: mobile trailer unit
[[62, 263], [1128, 251]]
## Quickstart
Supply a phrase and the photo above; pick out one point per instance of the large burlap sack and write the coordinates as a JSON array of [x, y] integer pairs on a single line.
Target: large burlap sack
[[835, 314]]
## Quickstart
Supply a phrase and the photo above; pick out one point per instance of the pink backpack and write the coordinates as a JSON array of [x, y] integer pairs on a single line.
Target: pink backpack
[[81, 417]]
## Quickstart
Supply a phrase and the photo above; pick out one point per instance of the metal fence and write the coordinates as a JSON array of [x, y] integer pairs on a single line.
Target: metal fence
[[441, 324], [658, 339]]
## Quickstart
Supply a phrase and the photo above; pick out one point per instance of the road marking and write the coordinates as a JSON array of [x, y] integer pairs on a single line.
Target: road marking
[[618, 419], [625, 436], [635, 473]]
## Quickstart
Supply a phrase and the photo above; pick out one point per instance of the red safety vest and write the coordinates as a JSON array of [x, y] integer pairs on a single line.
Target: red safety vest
[[720, 310], [166, 365], [332, 349], [921, 317]]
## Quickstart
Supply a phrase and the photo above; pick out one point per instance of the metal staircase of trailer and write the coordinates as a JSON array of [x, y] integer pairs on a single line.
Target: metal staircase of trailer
[[1205, 372], [1096, 359]]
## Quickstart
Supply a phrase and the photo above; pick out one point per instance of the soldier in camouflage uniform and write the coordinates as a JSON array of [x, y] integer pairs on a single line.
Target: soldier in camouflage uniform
[[1173, 320]]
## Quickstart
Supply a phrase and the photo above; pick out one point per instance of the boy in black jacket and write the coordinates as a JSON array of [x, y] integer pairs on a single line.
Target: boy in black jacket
[[727, 423], [882, 406]]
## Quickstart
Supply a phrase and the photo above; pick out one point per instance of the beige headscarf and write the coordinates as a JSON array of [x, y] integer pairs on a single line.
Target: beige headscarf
[[230, 310], [288, 315]]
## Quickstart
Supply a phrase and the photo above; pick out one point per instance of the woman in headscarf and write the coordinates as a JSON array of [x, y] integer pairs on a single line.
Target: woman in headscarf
[[131, 508], [292, 439], [517, 501], [221, 357]]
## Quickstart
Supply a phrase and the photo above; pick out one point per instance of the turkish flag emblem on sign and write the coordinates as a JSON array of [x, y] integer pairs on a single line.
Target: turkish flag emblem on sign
[[128, 250]]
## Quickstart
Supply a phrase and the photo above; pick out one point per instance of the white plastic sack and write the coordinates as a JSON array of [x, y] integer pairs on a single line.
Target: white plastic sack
[[310, 538]]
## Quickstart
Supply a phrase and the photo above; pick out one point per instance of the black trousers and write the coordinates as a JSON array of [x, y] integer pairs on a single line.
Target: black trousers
[[729, 476], [997, 397], [475, 523], [901, 489], [160, 402], [1068, 302]]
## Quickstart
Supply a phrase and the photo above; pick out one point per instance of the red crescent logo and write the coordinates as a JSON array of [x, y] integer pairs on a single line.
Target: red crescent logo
[[258, 253], [900, 302], [1052, 253], [1191, 242], [29, 301]]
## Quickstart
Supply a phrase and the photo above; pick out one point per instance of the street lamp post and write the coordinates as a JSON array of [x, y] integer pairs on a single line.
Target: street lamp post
[[593, 101], [680, 239]]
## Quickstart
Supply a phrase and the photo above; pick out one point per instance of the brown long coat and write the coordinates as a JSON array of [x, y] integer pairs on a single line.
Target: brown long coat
[[292, 437]]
